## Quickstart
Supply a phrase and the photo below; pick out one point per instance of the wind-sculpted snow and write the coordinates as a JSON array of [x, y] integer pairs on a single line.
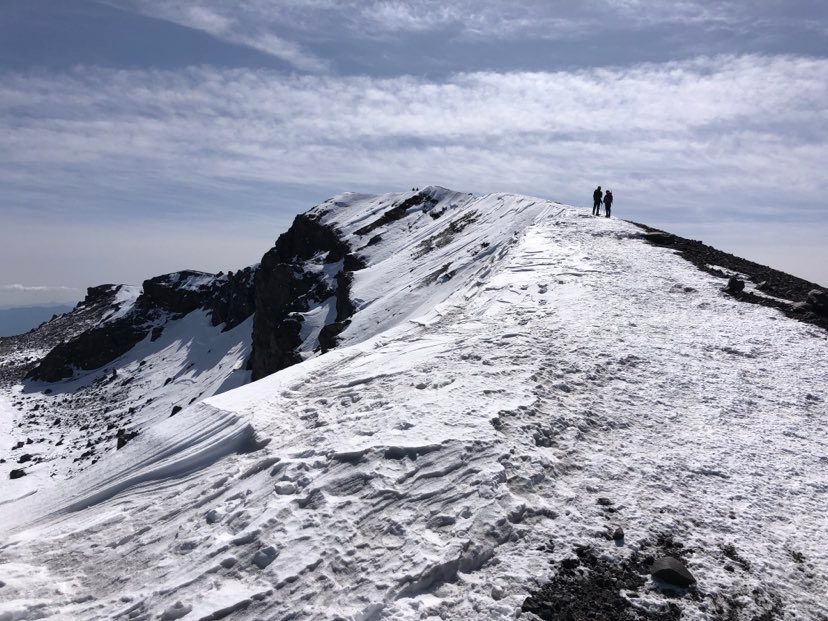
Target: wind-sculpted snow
[[169, 450], [477, 428]]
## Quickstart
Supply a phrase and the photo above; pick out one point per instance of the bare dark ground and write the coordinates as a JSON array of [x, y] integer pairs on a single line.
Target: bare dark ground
[[590, 587]]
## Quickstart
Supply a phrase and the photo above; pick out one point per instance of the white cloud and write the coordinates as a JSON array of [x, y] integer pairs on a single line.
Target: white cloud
[[250, 22], [204, 19], [289, 51], [30, 288]]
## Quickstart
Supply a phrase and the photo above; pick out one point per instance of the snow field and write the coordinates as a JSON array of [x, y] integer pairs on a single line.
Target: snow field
[[190, 361], [434, 468]]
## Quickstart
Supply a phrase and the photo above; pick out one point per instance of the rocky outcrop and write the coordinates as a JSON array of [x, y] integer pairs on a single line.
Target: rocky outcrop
[[90, 350], [233, 299], [285, 288], [228, 298], [397, 212]]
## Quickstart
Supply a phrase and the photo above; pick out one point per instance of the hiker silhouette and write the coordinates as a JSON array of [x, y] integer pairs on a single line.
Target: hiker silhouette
[[608, 202], [596, 201]]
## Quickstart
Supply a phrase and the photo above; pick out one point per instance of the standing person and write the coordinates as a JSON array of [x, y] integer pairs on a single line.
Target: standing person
[[608, 202], [596, 201]]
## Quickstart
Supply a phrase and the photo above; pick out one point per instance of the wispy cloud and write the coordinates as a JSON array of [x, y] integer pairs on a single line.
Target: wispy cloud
[[30, 288], [251, 24], [489, 18]]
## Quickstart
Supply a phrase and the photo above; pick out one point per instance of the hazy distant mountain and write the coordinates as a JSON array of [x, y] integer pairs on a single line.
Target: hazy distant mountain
[[23, 318]]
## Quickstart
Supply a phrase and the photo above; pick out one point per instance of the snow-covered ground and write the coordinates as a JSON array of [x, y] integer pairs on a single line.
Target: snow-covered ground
[[460, 441], [68, 425]]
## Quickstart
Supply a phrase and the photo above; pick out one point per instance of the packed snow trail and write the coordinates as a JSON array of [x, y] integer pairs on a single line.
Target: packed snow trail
[[435, 470]]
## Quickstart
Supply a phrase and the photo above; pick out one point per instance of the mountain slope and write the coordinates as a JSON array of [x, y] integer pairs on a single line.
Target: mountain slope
[[516, 380]]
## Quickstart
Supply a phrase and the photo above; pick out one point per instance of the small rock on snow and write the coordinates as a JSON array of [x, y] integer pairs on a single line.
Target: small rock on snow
[[265, 557], [672, 571], [176, 611]]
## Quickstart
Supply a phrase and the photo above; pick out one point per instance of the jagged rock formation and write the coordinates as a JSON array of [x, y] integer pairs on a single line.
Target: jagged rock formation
[[228, 298], [309, 264]]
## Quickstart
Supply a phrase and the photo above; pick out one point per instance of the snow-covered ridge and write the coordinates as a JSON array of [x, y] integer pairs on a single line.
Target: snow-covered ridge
[[515, 380], [442, 244]]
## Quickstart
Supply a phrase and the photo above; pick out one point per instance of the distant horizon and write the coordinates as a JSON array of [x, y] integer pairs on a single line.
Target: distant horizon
[[141, 137]]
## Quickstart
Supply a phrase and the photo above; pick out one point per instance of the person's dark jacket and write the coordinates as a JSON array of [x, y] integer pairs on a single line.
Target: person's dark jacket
[[596, 195], [608, 199]]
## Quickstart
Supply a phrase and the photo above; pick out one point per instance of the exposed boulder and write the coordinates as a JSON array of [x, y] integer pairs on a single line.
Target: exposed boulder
[[122, 437], [817, 301], [735, 285], [265, 557], [16, 474], [672, 571]]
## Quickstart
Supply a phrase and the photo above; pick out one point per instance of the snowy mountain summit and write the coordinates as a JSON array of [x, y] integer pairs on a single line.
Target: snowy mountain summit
[[464, 407]]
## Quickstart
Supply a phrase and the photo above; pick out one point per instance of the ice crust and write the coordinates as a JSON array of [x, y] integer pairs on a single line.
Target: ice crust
[[421, 470]]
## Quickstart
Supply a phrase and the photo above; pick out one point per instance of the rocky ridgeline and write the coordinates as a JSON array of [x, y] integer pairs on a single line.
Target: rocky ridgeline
[[228, 298]]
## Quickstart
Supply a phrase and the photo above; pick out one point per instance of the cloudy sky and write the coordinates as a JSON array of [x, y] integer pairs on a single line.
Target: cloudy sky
[[143, 136]]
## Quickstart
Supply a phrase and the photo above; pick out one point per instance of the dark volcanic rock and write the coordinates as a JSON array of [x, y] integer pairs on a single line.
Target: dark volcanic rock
[[16, 474], [88, 313], [589, 587], [735, 285], [672, 571], [818, 301], [399, 211], [265, 557], [283, 289], [123, 436], [233, 300], [90, 350]]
